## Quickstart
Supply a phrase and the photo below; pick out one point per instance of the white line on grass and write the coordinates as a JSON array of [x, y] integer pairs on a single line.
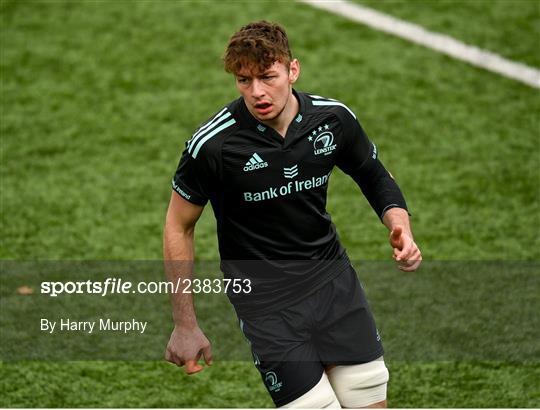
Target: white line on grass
[[439, 42]]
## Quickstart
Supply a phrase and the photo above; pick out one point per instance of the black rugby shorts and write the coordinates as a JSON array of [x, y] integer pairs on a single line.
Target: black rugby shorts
[[334, 325]]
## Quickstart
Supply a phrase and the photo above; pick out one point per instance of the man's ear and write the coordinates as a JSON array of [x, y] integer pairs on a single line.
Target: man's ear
[[294, 71]]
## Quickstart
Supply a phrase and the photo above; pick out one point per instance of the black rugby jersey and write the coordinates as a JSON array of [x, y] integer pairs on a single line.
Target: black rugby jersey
[[268, 194]]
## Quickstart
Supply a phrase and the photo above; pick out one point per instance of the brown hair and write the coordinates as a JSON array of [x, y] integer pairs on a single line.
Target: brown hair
[[257, 45]]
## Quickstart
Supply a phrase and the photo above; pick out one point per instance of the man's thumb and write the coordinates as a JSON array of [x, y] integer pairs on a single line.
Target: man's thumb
[[395, 236]]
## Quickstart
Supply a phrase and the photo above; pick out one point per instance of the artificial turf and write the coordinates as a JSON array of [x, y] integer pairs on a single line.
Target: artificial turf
[[98, 99]]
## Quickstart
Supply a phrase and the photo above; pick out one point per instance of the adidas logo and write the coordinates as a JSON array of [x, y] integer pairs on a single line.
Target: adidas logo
[[255, 162]]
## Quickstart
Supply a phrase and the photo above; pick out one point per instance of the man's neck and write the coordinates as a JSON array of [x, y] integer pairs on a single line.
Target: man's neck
[[282, 121]]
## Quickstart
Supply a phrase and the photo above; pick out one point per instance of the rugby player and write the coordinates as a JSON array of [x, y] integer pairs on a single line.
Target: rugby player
[[264, 161]]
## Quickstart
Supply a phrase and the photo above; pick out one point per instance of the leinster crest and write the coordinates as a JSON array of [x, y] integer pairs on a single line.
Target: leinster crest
[[323, 141]]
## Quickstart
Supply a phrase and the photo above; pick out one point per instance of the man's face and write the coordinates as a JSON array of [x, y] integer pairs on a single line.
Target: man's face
[[266, 95]]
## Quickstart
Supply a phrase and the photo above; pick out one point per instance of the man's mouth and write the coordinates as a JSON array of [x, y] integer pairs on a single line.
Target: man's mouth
[[263, 107]]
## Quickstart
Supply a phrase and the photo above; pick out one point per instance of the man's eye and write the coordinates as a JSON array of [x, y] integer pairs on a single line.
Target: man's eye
[[242, 80], [269, 77]]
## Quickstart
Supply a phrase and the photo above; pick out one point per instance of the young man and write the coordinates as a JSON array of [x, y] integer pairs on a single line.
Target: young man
[[264, 162]]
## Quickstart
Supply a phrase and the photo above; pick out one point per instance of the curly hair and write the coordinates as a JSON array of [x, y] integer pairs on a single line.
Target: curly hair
[[257, 45]]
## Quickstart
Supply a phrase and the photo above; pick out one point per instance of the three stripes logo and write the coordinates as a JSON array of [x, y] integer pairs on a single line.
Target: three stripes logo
[[290, 172], [255, 162]]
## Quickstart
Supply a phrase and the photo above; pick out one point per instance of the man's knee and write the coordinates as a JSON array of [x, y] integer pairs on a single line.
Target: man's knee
[[360, 385], [319, 397]]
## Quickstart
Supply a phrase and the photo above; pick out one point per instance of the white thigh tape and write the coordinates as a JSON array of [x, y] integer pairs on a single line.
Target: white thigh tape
[[360, 385], [319, 397]]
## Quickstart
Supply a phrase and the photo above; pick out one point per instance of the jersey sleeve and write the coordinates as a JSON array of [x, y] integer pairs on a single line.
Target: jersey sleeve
[[194, 178], [358, 157], [356, 147]]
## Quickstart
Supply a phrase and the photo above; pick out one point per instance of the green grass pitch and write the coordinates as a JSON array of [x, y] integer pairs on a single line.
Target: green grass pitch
[[98, 98]]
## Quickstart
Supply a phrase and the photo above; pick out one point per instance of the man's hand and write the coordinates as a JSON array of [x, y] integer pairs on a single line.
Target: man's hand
[[406, 252], [186, 346]]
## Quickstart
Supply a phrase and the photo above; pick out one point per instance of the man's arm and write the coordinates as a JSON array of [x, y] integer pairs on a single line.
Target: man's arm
[[187, 342], [406, 252], [358, 157], [386, 199]]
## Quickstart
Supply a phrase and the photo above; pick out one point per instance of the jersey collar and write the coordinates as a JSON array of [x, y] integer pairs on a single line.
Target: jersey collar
[[266, 130]]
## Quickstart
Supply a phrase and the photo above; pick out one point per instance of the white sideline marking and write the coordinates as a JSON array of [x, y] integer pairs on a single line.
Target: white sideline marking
[[439, 42]]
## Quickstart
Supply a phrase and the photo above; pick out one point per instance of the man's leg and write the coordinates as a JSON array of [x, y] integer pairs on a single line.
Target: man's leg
[[360, 385], [348, 338]]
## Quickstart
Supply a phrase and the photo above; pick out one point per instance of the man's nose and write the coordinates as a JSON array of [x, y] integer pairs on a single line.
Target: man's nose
[[257, 89]]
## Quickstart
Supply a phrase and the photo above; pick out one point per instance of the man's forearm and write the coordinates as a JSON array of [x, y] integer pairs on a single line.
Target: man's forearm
[[378, 186], [395, 217], [178, 252]]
